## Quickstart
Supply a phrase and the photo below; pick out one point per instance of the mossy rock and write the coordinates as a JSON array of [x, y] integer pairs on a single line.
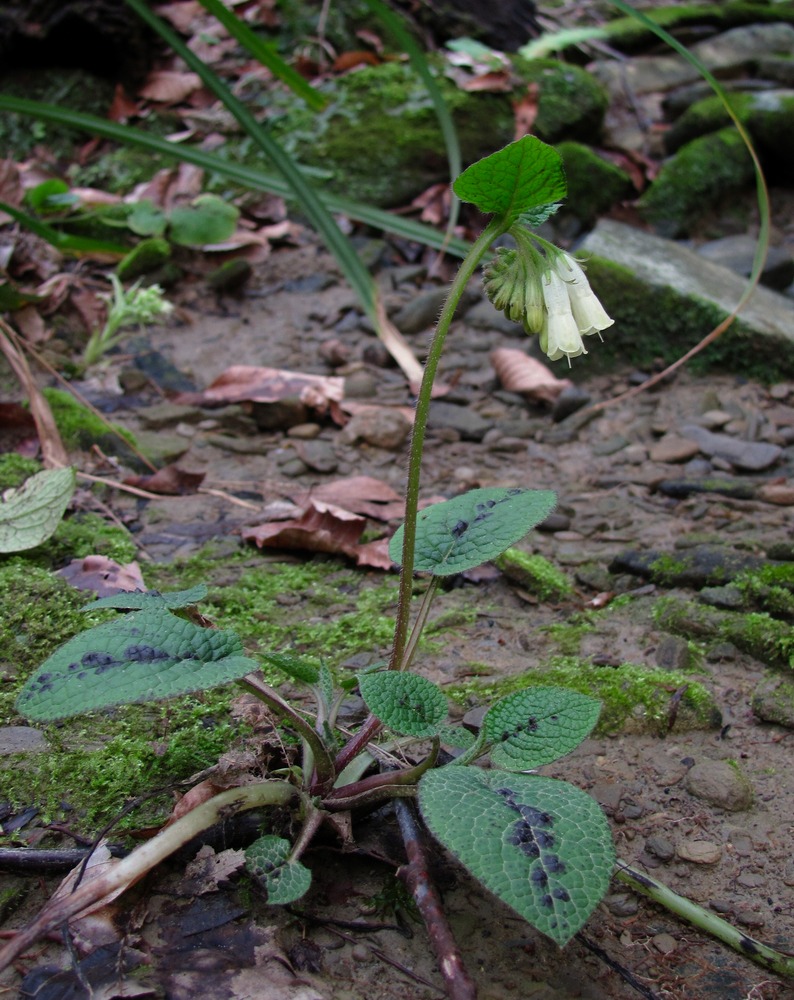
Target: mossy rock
[[700, 176], [768, 116], [379, 137], [665, 298], [629, 35], [571, 102], [635, 699], [594, 184], [535, 574], [81, 429]]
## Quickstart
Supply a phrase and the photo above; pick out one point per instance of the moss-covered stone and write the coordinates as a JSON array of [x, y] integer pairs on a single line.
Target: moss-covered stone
[[773, 700], [571, 102], [535, 574], [758, 634], [700, 176], [80, 428], [628, 34], [634, 698], [594, 184], [379, 139], [768, 116]]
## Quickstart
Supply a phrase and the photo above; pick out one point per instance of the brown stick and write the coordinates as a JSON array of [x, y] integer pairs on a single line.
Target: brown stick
[[415, 874]]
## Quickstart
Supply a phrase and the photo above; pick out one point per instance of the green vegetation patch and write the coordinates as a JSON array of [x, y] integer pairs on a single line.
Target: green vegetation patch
[[535, 574], [81, 428], [571, 102], [594, 184], [634, 698]]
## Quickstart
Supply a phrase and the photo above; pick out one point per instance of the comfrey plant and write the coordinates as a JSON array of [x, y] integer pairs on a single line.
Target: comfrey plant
[[135, 306], [541, 845]]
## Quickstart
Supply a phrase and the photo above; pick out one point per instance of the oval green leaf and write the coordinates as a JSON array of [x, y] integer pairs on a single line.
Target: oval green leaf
[[208, 219], [536, 726], [132, 600], [148, 655], [465, 532], [30, 514], [542, 846], [407, 703], [514, 180], [284, 881]]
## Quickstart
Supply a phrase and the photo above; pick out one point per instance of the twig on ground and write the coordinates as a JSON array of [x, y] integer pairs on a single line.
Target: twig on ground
[[415, 874]]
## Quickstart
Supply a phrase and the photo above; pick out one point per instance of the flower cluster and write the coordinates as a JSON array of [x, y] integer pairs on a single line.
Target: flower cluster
[[549, 295]]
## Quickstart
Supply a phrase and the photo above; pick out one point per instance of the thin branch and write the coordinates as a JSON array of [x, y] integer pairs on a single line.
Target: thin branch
[[415, 874]]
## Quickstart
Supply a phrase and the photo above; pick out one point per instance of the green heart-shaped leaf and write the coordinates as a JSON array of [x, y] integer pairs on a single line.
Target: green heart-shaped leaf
[[542, 846], [407, 703], [514, 180], [468, 530], [284, 881]]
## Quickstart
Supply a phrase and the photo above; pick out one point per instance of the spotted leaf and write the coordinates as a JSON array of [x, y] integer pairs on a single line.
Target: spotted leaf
[[406, 703], [284, 881], [534, 727], [465, 532], [542, 846], [148, 655]]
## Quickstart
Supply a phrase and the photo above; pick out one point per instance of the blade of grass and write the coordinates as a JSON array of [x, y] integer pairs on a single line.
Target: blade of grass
[[258, 180], [319, 216], [77, 245], [265, 54], [764, 211]]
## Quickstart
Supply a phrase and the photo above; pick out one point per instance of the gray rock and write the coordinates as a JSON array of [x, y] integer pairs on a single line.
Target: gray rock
[[673, 291], [700, 566], [673, 653], [571, 399], [720, 784], [727, 598], [317, 455], [167, 414], [660, 847], [773, 700], [753, 456], [381, 427], [423, 310], [470, 425], [21, 739], [737, 253]]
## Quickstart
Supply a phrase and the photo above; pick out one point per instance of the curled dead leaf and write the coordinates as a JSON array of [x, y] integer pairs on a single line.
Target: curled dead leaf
[[519, 373], [170, 481], [103, 575]]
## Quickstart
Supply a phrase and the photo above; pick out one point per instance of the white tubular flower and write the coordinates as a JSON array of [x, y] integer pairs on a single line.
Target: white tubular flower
[[588, 312], [560, 336]]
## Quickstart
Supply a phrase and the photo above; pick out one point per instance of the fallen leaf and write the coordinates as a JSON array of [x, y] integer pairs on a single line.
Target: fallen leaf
[[103, 575], [496, 81], [209, 870], [525, 111], [122, 107], [31, 325], [198, 794], [363, 495], [250, 383], [169, 86], [181, 15], [170, 481], [519, 373], [349, 60]]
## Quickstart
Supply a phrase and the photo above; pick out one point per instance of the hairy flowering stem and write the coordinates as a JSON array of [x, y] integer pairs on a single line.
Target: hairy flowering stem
[[372, 726]]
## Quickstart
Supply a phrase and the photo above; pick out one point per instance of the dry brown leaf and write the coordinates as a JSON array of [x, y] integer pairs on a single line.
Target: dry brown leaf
[[122, 107], [363, 495], [181, 15], [170, 481], [31, 325], [169, 86], [198, 794], [434, 203], [525, 111], [242, 383], [349, 60], [320, 528], [208, 870], [519, 373], [495, 81], [103, 575]]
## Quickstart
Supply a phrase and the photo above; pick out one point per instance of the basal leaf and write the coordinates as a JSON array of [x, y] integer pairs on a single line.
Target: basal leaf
[[536, 726], [135, 599], [407, 703], [284, 881], [147, 219], [296, 667], [208, 219], [31, 513], [468, 530], [514, 180], [148, 655], [542, 846]]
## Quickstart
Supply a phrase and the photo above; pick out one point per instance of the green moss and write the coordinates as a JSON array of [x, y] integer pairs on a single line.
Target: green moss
[[15, 469], [667, 569], [535, 574], [635, 698], [629, 34], [594, 184], [770, 589], [660, 322], [571, 102], [379, 136], [700, 176], [568, 635], [81, 429], [756, 633]]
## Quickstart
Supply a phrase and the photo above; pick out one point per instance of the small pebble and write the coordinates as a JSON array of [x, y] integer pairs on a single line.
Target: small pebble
[[700, 852], [361, 953]]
